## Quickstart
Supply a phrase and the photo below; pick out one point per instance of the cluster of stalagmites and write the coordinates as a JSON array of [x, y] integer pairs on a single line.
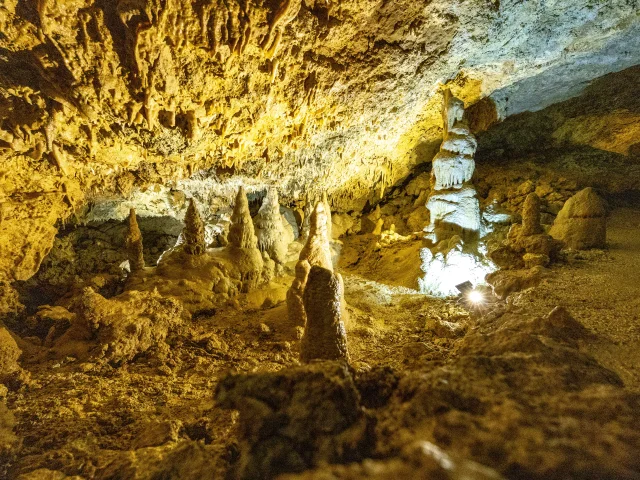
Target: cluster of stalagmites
[[581, 224]]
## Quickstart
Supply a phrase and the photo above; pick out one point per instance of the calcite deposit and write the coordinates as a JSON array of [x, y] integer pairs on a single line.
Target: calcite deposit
[[582, 222]]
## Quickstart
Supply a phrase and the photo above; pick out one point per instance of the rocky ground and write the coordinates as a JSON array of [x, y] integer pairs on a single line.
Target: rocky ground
[[524, 392]]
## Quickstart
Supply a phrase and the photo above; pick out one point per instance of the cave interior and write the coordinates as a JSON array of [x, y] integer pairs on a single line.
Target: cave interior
[[319, 239]]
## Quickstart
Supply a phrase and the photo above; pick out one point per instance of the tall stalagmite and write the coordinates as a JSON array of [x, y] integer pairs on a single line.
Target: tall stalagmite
[[531, 215], [241, 231], [133, 243], [316, 252], [270, 229], [193, 231], [324, 334], [243, 244]]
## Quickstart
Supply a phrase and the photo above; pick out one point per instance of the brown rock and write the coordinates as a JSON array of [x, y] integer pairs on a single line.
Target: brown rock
[[9, 353], [531, 216], [582, 222], [324, 336]]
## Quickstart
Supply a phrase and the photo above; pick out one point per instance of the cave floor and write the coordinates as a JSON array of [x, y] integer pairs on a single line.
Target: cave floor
[[602, 290], [94, 420]]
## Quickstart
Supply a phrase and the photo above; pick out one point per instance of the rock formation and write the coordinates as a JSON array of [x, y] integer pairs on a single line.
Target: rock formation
[[324, 334], [454, 209], [526, 245], [243, 244], [452, 203], [531, 216], [119, 328], [289, 435], [582, 222], [9, 354], [327, 211], [316, 252], [193, 231], [295, 302], [133, 244], [241, 231], [270, 230]]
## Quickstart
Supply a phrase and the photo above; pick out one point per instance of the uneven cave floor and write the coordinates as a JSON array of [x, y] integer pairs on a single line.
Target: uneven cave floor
[[542, 407]]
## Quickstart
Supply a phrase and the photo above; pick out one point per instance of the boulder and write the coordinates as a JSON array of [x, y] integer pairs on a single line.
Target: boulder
[[582, 222]]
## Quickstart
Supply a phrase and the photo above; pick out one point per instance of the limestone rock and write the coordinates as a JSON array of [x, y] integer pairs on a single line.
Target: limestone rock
[[341, 224], [193, 231], [9, 353], [531, 216], [281, 430], [118, 329], [133, 243], [241, 232], [324, 335], [582, 222], [317, 250], [295, 303], [327, 211], [270, 230], [243, 244]]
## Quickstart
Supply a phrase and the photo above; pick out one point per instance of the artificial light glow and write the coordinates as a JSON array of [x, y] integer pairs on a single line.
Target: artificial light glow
[[475, 297]]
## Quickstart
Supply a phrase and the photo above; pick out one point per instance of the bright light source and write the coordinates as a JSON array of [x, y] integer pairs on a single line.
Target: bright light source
[[475, 296]]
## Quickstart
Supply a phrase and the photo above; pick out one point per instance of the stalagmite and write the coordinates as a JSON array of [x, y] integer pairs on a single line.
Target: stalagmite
[[324, 335], [243, 244], [295, 304], [241, 231], [582, 222], [316, 252], [270, 229], [133, 244], [531, 215], [454, 209], [193, 232]]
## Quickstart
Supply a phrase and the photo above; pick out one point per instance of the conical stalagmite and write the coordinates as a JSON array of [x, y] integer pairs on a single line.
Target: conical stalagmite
[[243, 244], [317, 250], [133, 244], [531, 216], [270, 229], [241, 231], [193, 231], [324, 335]]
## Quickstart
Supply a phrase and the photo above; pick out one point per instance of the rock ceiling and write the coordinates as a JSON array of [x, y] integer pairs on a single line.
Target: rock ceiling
[[102, 97]]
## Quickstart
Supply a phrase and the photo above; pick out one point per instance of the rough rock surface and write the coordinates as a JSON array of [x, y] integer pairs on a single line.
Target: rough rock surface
[[296, 419], [270, 229], [108, 98], [118, 329], [582, 222], [9, 354], [324, 333]]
